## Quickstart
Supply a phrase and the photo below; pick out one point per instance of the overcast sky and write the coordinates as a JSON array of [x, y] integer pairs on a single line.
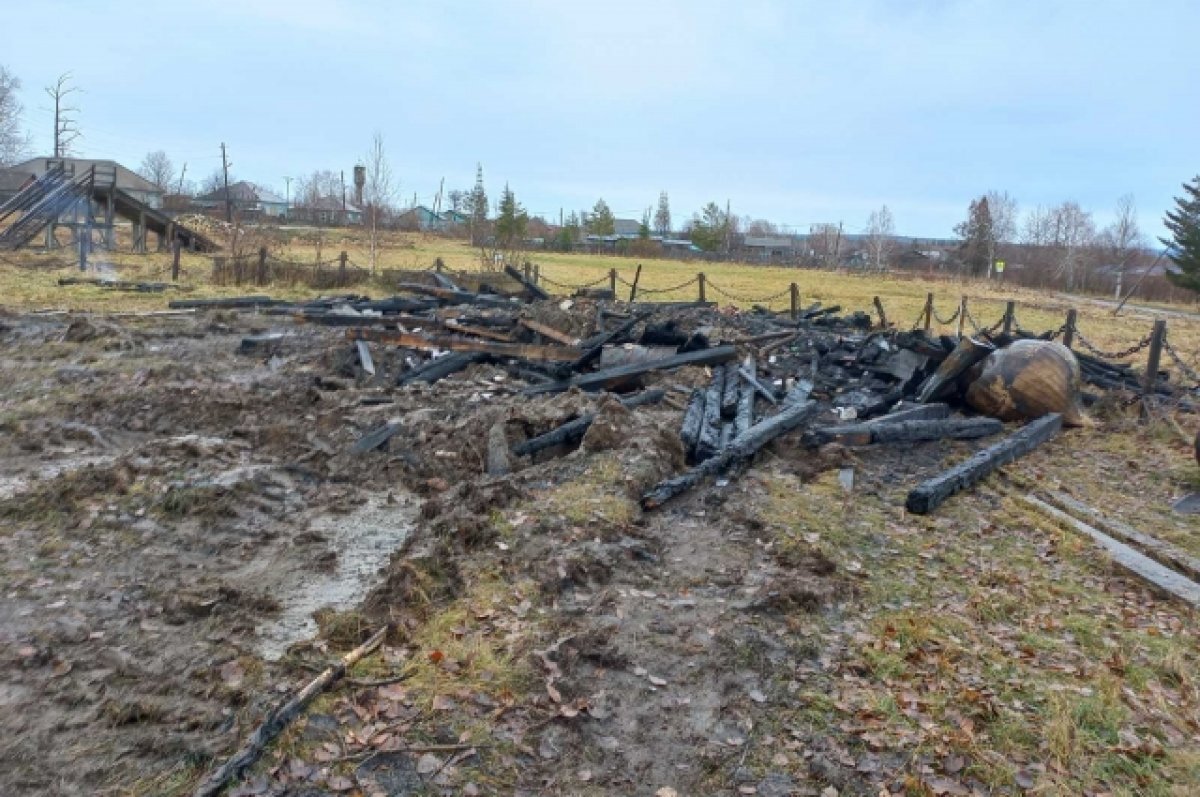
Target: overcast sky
[[799, 112]]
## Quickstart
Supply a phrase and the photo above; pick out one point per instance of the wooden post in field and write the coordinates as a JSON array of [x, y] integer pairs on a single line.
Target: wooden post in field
[[528, 271], [612, 281], [342, 269], [1069, 328], [962, 314], [1010, 314], [637, 276], [438, 265], [882, 315], [262, 266], [1156, 346], [795, 300], [537, 274], [176, 247], [700, 280], [928, 311]]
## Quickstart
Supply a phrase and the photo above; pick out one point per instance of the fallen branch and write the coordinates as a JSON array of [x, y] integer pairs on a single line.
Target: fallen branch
[[278, 718], [573, 431], [610, 378]]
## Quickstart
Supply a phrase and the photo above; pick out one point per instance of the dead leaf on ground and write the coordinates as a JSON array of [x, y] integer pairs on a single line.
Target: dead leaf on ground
[[428, 764]]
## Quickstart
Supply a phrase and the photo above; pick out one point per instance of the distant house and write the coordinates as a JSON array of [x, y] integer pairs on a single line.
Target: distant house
[[246, 198], [453, 218], [420, 218], [14, 177], [769, 248], [327, 212]]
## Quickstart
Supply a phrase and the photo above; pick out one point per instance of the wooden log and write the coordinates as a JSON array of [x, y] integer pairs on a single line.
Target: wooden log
[[278, 718], [693, 421], [710, 430], [593, 347], [729, 395], [440, 367], [573, 431], [726, 434], [451, 296], [1155, 574], [530, 288], [521, 351], [910, 431], [610, 378], [743, 447], [928, 495], [915, 412], [481, 332], [444, 282], [799, 393], [744, 417], [764, 337], [547, 331]]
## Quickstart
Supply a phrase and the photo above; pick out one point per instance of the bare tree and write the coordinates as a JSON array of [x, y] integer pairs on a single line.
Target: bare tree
[[379, 192], [66, 131], [1122, 240], [1003, 208], [662, 215], [158, 169], [824, 243], [14, 143], [1072, 232], [321, 184], [213, 183], [880, 232]]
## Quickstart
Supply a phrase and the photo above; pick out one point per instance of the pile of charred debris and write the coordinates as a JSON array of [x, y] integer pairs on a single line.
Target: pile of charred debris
[[838, 378]]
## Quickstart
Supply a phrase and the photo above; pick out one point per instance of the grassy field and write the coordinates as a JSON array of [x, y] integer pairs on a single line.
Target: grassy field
[[29, 281]]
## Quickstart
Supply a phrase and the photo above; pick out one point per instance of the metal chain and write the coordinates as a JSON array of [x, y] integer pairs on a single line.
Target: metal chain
[[570, 287], [946, 321], [1111, 355], [748, 300], [1187, 370], [678, 287]]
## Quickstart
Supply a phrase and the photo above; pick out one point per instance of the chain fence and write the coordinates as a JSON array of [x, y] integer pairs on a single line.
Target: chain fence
[[945, 321], [1187, 370], [717, 289], [567, 286], [1122, 354]]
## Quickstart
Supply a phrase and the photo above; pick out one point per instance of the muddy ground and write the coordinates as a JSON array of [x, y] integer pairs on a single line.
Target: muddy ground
[[173, 513]]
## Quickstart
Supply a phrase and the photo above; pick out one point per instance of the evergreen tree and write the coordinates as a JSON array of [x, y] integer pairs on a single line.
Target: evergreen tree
[[978, 237], [644, 227], [601, 222], [477, 207], [1183, 247], [512, 221], [709, 227], [662, 216]]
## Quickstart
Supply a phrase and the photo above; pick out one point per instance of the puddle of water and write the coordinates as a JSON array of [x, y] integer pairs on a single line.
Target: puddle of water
[[364, 541]]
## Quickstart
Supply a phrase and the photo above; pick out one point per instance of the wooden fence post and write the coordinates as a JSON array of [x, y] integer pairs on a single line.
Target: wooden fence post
[[175, 249], [928, 311], [262, 266], [1010, 314], [637, 276], [795, 291], [612, 281], [537, 274], [962, 314], [882, 315], [528, 271], [1069, 328], [342, 269], [1156, 346], [700, 279]]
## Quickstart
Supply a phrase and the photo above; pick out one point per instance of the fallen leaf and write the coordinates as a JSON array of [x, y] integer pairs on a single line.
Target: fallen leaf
[[442, 703], [436, 656], [232, 673], [428, 763], [585, 775], [757, 696], [555, 695], [339, 783], [946, 786], [1025, 779], [61, 668]]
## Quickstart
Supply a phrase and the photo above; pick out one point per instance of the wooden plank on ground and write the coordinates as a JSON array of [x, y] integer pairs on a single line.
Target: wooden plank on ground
[[548, 331], [609, 378], [912, 431], [1158, 576]]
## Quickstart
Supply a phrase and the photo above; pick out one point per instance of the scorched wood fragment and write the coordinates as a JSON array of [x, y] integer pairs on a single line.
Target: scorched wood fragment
[[693, 419], [927, 496], [440, 367], [742, 448], [710, 430], [573, 431], [530, 288], [744, 417]]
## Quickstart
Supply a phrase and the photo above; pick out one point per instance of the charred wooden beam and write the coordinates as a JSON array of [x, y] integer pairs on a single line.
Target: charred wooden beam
[[573, 431], [910, 431], [547, 331], [729, 395], [375, 438], [479, 332], [231, 302], [710, 430], [757, 385], [364, 356], [530, 288], [455, 296], [432, 343], [915, 412], [744, 418], [610, 378], [743, 447], [440, 367], [693, 421], [799, 393], [928, 495], [594, 346], [444, 282]]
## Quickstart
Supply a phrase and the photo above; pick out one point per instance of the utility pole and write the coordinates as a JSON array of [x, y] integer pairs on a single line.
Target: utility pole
[[181, 176], [228, 199], [287, 198], [343, 190], [437, 203], [727, 226]]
